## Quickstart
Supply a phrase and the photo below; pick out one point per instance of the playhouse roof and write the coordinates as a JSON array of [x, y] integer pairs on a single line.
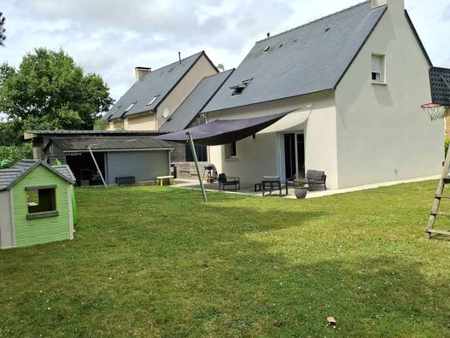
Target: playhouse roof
[[9, 177]]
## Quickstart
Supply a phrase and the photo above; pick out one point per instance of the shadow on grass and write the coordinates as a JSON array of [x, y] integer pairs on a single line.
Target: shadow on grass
[[158, 263]]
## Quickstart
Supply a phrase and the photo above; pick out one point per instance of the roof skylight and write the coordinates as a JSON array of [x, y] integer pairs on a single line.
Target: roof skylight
[[129, 107], [239, 88], [152, 100]]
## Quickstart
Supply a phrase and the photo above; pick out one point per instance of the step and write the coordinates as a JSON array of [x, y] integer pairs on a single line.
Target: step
[[446, 214], [438, 232], [442, 197]]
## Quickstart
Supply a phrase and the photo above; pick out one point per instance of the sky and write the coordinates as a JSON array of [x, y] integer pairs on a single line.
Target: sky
[[111, 37]]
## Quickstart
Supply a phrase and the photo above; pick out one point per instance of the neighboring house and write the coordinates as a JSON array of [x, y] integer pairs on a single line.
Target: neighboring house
[[37, 204], [355, 81], [118, 154], [156, 94], [188, 114]]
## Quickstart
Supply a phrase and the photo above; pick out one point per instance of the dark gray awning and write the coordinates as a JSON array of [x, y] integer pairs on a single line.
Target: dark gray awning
[[223, 131]]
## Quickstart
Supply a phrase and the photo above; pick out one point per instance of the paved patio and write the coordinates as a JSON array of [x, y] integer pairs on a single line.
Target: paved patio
[[249, 189]]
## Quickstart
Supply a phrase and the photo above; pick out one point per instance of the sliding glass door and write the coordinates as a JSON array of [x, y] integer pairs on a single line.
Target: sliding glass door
[[294, 155]]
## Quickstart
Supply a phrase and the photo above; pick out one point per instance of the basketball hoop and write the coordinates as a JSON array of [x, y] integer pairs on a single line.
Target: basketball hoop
[[436, 111]]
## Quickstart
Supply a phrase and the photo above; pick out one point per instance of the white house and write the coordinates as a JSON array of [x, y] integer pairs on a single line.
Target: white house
[[355, 81]]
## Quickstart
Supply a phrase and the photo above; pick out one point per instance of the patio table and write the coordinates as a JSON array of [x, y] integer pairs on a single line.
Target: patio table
[[271, 183]]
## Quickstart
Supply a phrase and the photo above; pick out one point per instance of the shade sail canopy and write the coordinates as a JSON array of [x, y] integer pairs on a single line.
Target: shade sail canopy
[[223, 131], [291, 121]]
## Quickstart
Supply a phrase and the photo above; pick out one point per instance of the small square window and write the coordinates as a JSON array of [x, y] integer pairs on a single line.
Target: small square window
[[41, 201], [230, 151], [378, 68]]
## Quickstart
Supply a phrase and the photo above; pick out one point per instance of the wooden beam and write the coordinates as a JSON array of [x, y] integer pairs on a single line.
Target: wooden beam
[[438, 232]]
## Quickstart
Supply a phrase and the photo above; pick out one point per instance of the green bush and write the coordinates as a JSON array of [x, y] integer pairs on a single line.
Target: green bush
[[12, 154]]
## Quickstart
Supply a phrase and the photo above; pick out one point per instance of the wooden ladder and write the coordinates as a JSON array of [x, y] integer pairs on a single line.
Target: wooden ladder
[[439, 196]]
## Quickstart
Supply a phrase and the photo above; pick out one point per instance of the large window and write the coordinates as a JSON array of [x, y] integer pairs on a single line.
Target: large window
[[230, 151], [378, 68], [200, 149], [41, 202]]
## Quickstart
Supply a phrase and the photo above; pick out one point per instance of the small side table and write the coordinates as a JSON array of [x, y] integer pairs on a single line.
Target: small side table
[[162, 180]]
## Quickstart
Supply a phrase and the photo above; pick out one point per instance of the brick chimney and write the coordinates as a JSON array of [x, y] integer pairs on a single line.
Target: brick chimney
[[140, 72]]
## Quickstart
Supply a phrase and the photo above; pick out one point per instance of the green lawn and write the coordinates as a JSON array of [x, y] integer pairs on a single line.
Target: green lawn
[[153, 262]]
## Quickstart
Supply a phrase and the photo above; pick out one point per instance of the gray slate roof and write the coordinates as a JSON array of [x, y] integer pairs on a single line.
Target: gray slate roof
[[109, 143], [195, 102], [304, 60], [158, 83], [90, 132], [9, 177]]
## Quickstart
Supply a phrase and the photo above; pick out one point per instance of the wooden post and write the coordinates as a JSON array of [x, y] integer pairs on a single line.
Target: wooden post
[[96, 165], [194, 154]]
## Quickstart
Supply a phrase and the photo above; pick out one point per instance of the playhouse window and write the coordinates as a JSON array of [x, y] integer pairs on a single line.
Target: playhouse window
[[41, 202]]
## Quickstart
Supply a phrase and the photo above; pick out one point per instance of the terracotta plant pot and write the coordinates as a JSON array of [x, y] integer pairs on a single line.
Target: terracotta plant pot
[[301, 193]]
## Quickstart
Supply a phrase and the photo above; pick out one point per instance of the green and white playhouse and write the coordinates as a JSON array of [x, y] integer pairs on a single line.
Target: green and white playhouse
[[37, 204]]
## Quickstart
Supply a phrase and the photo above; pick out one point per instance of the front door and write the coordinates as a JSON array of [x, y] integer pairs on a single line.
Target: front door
[[294, 155]]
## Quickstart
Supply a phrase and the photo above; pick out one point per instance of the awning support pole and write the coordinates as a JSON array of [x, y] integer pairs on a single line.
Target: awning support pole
[[194, 154], [96, 165]]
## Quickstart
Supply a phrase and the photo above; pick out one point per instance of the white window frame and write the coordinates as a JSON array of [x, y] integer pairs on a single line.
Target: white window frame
[[382, 71], [228, 150]]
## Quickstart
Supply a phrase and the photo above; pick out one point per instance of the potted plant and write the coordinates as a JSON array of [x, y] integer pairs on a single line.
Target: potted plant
[[300, 190]]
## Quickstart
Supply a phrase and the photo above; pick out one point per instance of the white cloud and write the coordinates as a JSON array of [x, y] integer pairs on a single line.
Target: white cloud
[[447, 13], [110, 37]]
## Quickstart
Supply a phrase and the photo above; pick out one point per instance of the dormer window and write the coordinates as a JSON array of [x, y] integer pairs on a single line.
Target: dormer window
[[378, 68], [153, 99]]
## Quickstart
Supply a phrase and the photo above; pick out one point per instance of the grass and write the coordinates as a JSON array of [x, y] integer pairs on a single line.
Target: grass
[[156, 262]]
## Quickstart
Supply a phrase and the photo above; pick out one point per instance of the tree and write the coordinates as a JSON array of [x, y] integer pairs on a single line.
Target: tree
[[10, 134], [49, 91]]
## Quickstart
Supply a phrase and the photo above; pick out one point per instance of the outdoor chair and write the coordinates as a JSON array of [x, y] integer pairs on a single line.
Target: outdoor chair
[[315, 180], [225, 181]]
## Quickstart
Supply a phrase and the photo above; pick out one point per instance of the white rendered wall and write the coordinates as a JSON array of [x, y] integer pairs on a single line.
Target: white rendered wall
[[382, 133], [264, 155]]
